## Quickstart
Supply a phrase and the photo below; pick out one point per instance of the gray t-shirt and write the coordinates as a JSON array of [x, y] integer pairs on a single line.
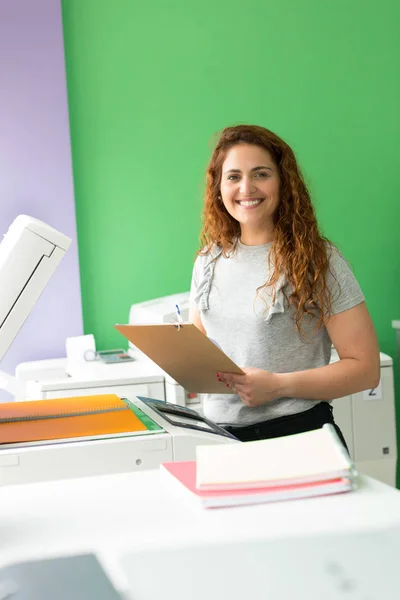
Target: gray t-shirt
[[253, 332]]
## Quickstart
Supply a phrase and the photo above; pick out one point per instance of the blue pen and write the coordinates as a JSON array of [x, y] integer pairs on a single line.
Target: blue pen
[[178, 312]]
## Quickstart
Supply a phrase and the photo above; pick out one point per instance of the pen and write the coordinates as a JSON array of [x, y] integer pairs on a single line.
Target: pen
[[178, 312]]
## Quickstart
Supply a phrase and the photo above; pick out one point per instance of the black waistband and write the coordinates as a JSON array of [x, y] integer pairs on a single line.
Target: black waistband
[[313, 418], [322, 410]]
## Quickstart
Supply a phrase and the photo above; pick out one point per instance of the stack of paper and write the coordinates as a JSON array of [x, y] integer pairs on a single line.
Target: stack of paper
[[306, 464]]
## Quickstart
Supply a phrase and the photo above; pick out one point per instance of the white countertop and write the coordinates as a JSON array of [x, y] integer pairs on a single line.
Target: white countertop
[[136, 510], [116, 515]]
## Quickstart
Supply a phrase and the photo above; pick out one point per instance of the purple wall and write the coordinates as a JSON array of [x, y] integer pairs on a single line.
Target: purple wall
[[35, 164]]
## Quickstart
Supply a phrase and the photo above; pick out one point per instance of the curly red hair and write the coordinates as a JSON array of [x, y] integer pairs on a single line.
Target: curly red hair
[[298, 251]]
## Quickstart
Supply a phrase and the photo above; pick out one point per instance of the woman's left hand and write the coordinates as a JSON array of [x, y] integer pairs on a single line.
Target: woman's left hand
[[255, 388]]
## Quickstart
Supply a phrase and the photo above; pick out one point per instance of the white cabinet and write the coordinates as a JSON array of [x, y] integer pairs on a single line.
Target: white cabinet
[[368, 423]]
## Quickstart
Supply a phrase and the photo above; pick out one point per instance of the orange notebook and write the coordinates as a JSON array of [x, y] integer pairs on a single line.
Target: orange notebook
[[62, 418]]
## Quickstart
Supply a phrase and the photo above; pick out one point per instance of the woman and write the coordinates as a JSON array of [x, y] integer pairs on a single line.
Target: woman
[[275, 294]]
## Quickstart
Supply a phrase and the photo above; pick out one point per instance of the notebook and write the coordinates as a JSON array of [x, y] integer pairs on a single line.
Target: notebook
[[312, 456], [183, 477], [185, 353], [65, 418]]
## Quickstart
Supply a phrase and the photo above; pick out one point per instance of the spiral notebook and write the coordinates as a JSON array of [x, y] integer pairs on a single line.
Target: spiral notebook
[[65, 418]]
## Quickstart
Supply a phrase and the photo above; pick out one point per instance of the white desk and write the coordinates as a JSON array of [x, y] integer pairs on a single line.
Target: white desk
[[116, 515]]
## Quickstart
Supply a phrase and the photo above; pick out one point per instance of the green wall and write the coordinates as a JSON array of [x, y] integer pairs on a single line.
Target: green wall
[[151, 82]]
